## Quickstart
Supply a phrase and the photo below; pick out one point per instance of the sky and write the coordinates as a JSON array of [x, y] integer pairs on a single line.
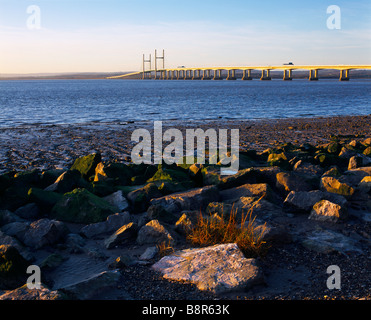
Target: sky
[[112, 35]]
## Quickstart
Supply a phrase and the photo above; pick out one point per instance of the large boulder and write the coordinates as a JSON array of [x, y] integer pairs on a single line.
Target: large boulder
[[291, 181], [68, 181], [24, 293], [250, 190], [325, 210], [109, 225], [141, 197], [303, 201], [334, 185], [81, 206], [154, 233], [13, 267], [125, 233], [88, 288], [86, 165], [194, 199], [44, 232], [220, 268]]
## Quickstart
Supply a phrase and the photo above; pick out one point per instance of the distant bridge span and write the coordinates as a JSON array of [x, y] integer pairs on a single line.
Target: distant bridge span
[[215, 73]]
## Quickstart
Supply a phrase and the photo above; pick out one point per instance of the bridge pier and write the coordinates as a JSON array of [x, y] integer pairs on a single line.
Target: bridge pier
[[344, 75], [206, 74], [313, 74], [188, 77], [265, 75], [287, 76], [196, 74], [248, 76], [218, 75], [231, 74]]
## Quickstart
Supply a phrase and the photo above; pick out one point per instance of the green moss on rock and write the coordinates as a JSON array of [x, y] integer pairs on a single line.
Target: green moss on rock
[[81, 206]]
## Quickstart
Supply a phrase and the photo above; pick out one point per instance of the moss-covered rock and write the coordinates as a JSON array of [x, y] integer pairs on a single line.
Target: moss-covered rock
[[139, 198], [13, 267], [68, 181], [81, 206], [86, 165], [45, 200], [334, 185], [118, 173]]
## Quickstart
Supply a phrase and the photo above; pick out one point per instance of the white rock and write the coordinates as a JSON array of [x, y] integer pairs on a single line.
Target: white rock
[[219, 268]]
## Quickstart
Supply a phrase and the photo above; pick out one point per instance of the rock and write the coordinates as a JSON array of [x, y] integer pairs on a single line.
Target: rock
[[44, 232], [68, 181], [81, 206], [111, 224], [261, 208], [16, 229], [359, 161], [8, 240], [158, 212], [8, 217], [118, 173], [327, 241], [365, 185], [333, 185], [332, 172], [125, 233], [149, 254], [187, 221], [291, 181], [302, 200], [367, 142], [154, 233], [118, 200], [367, 151], [12, 267], [172, 175], [45, 200], [325, 210], [241, 177], [219, 269], [23, 293], [140, 198], [194, 199], [29, 211], [88, 288], [195, 173], [249, 190], [307, 168], [86, 165]]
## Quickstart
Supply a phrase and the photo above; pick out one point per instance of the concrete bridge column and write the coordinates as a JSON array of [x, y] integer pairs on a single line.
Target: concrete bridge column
[[287, 76], [344, 75], [313, 75], [206, 74], [218, 75], [196, 74], [231, 74], [248, 76], [265, 75]]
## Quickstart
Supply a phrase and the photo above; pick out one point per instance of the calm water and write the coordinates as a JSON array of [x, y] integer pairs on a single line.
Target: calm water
[[77, 101]]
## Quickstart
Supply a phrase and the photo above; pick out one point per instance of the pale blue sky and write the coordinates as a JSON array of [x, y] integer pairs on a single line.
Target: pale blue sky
[[112, 35]]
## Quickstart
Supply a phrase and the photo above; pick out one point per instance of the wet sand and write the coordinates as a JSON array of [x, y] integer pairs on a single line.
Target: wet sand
[[57, 146]]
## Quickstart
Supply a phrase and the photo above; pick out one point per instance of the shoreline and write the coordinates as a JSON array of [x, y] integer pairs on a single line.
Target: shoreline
[[57, 146]]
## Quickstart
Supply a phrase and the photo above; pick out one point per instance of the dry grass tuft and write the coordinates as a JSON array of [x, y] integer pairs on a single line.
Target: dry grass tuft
[[216, 230]]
